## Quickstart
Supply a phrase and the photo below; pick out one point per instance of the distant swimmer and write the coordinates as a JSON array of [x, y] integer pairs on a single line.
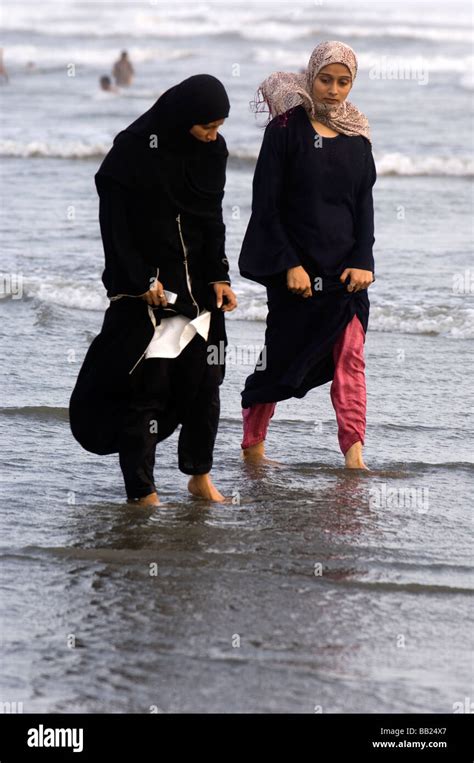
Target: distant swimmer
[[106, 84], [123, 71], [3, 71]]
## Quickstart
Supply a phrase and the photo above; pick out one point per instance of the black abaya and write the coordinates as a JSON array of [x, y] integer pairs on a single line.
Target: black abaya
[[160, 217]]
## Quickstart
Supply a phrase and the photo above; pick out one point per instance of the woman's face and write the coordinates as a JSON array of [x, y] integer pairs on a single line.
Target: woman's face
[[207, 132], [332, 84]]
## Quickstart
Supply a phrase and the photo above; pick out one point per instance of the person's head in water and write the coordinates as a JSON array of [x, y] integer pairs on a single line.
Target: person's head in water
[[105, 82]]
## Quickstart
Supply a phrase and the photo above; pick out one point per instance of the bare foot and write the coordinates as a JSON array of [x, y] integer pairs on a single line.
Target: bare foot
[[201, 486], [353, 457], [255, 454], [148, 500]]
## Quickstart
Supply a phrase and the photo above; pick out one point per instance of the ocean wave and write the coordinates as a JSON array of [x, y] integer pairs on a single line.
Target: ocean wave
[[54, 149], [453, 431], [388, 164], [50, 58], [52, 291], [432, 320], [396, 587], [91, 554], [400, 164], [393, 163], [454, 320], [388, 580], [256, 23], [290, 57], [37, 412], [397, 31], [436, 466], [57, 291]]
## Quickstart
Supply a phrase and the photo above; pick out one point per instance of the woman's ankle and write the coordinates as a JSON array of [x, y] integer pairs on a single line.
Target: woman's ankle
[[253, 446]]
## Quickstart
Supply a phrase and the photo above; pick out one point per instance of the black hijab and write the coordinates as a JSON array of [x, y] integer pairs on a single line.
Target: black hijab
[[157, 149]]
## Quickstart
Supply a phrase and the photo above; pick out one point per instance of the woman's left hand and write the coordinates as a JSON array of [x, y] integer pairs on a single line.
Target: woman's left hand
[[223, 290], [360, 279]]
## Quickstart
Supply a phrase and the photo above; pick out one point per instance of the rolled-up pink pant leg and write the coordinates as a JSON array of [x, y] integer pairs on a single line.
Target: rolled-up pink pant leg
[[256, 420], [348, 390]]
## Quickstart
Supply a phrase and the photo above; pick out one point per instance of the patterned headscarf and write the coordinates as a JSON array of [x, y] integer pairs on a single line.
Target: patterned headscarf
[[282, 91]]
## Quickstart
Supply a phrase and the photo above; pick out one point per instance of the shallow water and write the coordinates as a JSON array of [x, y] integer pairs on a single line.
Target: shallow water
[[313, 587]]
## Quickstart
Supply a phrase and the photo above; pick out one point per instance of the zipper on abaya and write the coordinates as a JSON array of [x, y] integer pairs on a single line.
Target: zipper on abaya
[[188, 283], [188, 280], [153, 320]]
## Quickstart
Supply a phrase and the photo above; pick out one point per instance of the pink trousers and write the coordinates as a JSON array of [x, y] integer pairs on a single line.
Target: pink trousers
[[348, 394]]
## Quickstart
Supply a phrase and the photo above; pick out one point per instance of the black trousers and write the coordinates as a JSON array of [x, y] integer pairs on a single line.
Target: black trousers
[[165, 392]]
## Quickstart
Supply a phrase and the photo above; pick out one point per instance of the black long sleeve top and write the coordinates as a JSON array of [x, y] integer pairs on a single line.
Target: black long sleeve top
[[312, 202], [144, 240]]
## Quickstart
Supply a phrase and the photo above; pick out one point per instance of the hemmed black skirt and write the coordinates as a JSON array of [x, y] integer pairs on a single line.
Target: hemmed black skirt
[[299, 339]]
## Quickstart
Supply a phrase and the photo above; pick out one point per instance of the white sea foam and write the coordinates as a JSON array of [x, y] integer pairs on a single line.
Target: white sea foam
[[57, 291], [394, 164], [387, 164], [455, 320], [57, 149], [45, 56], [402, 31], [400, 164], [287, 57], [258, 22]]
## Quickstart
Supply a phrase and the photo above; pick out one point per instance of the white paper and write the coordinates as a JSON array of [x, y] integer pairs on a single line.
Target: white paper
[[173, 334]]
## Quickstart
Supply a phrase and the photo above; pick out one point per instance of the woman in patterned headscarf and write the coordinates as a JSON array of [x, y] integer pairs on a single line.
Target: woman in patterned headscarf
[[309, 241]]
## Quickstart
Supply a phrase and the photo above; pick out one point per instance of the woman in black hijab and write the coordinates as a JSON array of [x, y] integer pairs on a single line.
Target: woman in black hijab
[[161, 188]]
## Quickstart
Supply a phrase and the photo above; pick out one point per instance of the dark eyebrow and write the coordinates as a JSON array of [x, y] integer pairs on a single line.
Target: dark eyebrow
[[339, 76]]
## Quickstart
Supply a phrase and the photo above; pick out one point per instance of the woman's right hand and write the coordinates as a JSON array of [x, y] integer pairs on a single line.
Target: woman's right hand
[[155, 295], [298, 281]]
